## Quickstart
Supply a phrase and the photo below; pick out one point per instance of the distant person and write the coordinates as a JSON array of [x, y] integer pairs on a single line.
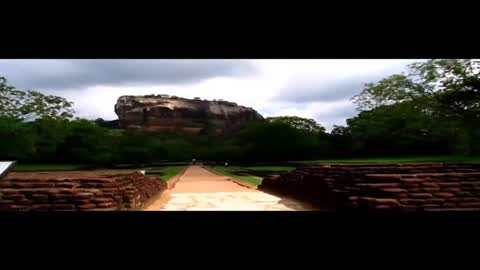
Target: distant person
[[226, 164], [193, 161]]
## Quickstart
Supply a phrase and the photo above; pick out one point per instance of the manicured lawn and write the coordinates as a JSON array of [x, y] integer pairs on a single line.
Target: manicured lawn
[[46, 167], [229, 172], [268, 168], [165, 172], [398, 160]]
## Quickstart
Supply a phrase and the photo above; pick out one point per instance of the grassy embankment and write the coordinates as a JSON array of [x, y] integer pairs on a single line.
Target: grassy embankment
[[256, 180], [164, 172]]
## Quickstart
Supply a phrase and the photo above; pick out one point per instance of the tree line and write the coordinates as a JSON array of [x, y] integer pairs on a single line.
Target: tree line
[[434, 109]]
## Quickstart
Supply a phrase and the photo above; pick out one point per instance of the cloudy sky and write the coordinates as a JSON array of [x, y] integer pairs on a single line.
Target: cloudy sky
[[319, 89]]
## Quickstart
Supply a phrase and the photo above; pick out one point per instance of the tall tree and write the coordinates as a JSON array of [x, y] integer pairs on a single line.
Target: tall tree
[[298, 123], [445, 91], [31, 105]]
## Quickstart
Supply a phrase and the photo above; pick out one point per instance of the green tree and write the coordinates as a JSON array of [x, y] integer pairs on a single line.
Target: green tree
[[31, 105], [17, 141], [87, 143], [298, 122], [446, 92]]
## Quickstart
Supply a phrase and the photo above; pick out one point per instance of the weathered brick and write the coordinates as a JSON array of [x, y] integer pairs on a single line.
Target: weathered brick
[[105, 204], [18, 207], [430, 205], [44, 191], [83, 195], [102, 200], [353, 198], [409, 207], [40, 206], [387, 201], [87, 206], [412, 201], [410, 185], [464, 194], [6, 202], [108, 185], [452, 190], [112, 190], [39, 196], [452, 200], [429, 184], [14, 197], [383, 207], [10, 191], [447, 184], [435, 200], [400, 195], [66, 185], [443, 194], [394, 190], [88, 185], [62, 196], [33, 185], [449, 205], [24, 202], [412, 180], [100, 180], [63, 206], [420, 195], [468, 184], [469, 205], [430, 189], [83, 201], [469, 199]]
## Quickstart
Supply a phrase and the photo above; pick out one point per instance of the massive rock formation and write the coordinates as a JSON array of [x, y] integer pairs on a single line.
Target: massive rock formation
[[164, 113]]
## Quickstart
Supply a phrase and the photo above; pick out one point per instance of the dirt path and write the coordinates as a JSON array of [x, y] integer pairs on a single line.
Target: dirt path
[[200, 189]]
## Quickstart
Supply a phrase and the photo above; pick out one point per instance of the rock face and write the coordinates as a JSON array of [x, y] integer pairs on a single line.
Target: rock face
[[164, 113]]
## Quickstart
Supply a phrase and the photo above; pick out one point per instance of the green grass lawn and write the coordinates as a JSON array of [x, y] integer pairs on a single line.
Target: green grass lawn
[[164, 172], [268, 168], [229, 172], [46, 167], [398, 160], [256, 180]]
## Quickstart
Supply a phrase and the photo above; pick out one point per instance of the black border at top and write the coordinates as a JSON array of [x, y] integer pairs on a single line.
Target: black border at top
[[357, 41]]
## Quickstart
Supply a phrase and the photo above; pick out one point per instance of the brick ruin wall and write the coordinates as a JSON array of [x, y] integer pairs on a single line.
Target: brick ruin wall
[[77, 191], [392, 186]]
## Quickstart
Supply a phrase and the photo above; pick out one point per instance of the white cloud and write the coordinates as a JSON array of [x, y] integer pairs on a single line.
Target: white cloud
[[318, 89]]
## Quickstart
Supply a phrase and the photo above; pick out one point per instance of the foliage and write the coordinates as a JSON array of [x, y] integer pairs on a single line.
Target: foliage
[[30, 105], [433, 110], [298, 122], [436, 104]]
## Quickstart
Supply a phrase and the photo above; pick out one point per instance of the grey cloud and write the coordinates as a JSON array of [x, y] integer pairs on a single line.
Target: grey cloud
[[346, 110], [336, 116], [325, 90], [77, 74], [303, 90]]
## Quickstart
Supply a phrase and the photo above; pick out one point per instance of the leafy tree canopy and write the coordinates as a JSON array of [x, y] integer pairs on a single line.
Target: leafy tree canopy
[[298, 122], [30, 105]]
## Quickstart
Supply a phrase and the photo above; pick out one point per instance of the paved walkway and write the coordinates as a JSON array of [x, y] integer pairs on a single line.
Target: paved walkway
[[200, 189]]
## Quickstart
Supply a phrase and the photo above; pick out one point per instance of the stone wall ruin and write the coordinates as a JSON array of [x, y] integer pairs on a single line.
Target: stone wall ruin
[[387, 186]]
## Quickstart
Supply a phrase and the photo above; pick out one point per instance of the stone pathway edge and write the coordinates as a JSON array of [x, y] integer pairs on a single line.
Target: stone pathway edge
[[165, 195], [237, 181]]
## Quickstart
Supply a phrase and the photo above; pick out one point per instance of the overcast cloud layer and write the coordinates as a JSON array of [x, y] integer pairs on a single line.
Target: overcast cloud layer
[[78, 74], [319, 89]]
